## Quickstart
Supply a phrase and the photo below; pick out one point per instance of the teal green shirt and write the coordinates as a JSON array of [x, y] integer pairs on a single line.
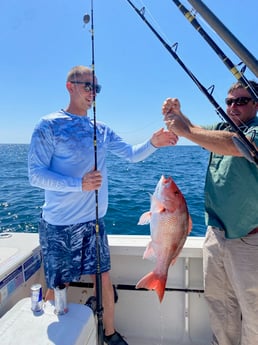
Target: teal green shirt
[[231, 189]]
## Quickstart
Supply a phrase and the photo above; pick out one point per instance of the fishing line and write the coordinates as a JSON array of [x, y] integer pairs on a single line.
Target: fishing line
[[243, 144], [99, 307], [229, 64], [226, 35], [154, 20]]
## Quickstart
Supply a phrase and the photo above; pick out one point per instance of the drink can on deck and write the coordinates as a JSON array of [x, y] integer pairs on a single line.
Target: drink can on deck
[[60, 300], [36, 297]]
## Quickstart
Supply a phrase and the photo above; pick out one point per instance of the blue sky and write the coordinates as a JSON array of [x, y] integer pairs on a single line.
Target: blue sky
[[41, 40]]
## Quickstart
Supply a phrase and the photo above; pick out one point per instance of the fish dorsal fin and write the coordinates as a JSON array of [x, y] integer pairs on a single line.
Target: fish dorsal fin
[[145, 218]]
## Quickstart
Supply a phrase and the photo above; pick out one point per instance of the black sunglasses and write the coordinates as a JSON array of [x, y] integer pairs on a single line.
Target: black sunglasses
[[238, 101], [88, 86]]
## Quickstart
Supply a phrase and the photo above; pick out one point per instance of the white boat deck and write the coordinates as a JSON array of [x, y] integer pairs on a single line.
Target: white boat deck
[[181, 318]]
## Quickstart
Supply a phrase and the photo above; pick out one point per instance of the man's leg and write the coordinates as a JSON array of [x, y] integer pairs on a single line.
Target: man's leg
[[224, 310], [108, 303], [242, 267], [49, 296]]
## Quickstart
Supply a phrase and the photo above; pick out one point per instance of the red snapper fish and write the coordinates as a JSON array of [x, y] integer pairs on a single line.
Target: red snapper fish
[[170, 223]]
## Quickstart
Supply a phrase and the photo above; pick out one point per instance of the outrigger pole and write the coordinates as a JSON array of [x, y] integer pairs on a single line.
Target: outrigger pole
[[246, 147], [233, 69], [248, 59], [98, 285]]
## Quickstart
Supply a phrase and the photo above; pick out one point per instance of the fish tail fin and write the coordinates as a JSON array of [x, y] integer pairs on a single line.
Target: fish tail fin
[[153, 281]]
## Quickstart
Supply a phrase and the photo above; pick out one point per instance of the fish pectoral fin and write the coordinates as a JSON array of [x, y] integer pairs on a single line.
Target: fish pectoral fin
[[153, 281], [145, 218]]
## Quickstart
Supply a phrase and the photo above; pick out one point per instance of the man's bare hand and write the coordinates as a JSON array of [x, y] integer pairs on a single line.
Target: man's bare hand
[[171, 106], [91, 180], [163, 138]]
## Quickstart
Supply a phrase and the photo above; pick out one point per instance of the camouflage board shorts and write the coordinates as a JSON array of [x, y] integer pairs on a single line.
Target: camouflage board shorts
[[69, 251]]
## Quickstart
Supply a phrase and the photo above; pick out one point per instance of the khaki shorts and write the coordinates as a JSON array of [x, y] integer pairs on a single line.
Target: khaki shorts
[[231, 287]]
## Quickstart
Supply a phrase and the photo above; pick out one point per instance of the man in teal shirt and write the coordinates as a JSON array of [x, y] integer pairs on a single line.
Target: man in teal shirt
[[231, 211]]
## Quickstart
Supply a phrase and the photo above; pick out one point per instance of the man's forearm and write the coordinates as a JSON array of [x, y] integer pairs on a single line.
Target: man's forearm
[[215, 141]]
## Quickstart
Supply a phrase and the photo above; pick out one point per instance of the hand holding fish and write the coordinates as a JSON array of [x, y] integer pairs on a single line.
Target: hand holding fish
[[175, 120], [177, 125], [163, 138], [171, 106]]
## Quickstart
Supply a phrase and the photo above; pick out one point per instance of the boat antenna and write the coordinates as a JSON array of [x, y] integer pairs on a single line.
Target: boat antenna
[[248, 59], [233, 69], [98, 285], [244, 145]]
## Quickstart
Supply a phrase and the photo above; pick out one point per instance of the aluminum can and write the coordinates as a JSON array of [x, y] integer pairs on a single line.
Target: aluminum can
[[60, 300], [36, 297]]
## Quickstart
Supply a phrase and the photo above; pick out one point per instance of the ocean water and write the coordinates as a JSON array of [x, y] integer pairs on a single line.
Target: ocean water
[[130, 186]]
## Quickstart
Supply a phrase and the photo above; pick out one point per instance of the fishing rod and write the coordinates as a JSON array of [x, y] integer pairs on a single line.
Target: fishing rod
[[233, 69], [226, 35], [98, 276], [246, 147]]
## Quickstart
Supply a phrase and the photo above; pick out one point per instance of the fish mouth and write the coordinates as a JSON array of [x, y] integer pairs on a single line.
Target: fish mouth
[[163, 183], [166, 182], [168, 186]]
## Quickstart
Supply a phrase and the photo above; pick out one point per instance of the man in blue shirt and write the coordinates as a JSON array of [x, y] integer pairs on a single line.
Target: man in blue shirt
[[62, 162]]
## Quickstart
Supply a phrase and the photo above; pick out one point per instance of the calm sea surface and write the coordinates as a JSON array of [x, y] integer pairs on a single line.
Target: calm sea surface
[[129, 188]]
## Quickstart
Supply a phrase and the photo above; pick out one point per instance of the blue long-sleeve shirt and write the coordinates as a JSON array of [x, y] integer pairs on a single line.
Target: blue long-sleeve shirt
[[61, 152]]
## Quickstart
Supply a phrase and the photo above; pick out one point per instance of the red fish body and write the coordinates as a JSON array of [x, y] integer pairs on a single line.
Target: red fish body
[[170, 223]]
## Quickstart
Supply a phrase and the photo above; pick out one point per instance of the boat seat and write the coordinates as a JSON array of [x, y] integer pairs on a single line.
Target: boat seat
[[20, 325]]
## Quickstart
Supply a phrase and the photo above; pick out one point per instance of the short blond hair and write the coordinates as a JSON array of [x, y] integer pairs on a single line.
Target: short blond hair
[[77, 72]]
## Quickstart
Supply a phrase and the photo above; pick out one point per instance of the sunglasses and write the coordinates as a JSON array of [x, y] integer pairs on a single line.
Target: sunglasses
[[240, 101], [88, 86]]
